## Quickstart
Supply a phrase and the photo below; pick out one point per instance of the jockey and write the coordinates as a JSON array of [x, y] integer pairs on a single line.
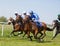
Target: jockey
[[23, 14], [35, 18], [18, 17], [16, 13]]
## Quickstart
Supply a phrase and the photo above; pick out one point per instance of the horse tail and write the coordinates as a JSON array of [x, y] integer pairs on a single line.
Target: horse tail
[[49, 29]]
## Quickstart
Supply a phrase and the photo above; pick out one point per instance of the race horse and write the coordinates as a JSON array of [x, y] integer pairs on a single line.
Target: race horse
[[40, 30], [56, 28], [34, 29], [16, 26]]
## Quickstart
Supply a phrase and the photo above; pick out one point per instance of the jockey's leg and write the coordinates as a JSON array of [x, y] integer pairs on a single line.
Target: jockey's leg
[[38, 24]]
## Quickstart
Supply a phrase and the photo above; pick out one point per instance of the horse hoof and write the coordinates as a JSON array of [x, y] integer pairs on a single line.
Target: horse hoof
[[31, 40], [19, 35], [41, 40], [31, 36]]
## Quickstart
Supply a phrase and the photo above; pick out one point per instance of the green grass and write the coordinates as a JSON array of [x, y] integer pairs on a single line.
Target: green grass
[[20, 41]]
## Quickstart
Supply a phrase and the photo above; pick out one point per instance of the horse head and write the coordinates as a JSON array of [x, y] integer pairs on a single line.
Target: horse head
[[11, 20]]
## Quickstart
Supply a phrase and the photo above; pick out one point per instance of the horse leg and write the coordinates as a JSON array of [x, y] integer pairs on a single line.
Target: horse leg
[[11, 33], [55, 35], [14, 34], [24, 34], [40, 35], [28, 33], [35, 34], [20, 33], [56, 32], [44, 34]]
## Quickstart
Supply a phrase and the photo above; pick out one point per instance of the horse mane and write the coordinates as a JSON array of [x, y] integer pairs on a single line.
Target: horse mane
[[20, 17]]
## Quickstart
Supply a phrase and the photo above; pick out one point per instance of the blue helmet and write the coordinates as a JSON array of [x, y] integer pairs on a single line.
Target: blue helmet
[[30, 11]]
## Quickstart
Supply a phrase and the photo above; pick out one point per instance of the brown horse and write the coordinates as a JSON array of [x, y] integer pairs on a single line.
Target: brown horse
[[32, 27], [16, 26], [41, 30]]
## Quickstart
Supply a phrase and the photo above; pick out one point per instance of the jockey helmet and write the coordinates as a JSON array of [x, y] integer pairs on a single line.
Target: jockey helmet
[[16, 13], [59, 16], [31, 12], [24, 12]]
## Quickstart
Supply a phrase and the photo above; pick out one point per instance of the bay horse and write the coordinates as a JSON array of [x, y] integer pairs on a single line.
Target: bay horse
[[40, 30], [56, 28], [16, 26], [32, 27]]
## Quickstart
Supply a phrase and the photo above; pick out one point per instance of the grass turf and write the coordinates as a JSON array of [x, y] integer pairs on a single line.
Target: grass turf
[[5, 40]]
